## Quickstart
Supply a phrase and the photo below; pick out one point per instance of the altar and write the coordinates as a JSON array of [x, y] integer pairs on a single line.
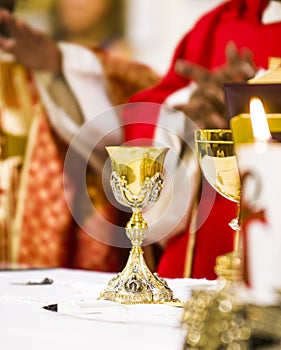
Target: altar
[[25, 324]]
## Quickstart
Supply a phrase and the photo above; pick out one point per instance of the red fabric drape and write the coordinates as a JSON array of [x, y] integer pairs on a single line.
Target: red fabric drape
[[238, 21]]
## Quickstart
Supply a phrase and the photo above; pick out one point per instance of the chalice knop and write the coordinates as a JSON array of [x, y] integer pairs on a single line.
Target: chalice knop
[[217, 159], [136, 182]]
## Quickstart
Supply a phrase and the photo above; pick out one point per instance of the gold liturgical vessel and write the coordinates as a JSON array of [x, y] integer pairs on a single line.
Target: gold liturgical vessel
[[136, 182], [217, 159]]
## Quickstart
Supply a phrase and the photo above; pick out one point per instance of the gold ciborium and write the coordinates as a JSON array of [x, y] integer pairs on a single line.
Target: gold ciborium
[[217, 159], [136, 181]]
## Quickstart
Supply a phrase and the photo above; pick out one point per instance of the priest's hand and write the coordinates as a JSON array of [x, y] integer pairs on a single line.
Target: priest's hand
[[30, 47], [206, 106]]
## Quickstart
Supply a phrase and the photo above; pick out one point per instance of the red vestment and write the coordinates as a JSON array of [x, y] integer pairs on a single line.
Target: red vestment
[[238, 21]]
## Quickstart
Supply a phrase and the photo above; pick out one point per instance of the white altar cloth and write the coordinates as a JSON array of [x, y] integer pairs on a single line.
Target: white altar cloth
[[24, 324]]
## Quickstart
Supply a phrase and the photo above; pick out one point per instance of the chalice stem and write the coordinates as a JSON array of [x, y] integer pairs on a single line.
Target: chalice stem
[[229, 266], [237, 242], [235, 225], [136, 283], [136, 228], [237, 237]]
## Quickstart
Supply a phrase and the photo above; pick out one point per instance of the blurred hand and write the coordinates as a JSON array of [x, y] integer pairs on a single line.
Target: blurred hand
[[31, 48], [206, 106]]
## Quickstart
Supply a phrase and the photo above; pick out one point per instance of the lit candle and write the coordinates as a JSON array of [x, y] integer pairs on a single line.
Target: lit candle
[[260, 171], [259, 121]]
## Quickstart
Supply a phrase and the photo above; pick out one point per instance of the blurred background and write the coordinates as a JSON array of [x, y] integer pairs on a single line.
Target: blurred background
[[149, 29]]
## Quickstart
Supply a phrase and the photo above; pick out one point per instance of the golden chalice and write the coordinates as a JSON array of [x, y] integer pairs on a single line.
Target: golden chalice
[[136, 181], [217, 159]]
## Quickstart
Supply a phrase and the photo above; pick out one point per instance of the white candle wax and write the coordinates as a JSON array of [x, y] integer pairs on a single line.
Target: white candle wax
[[261, 205]]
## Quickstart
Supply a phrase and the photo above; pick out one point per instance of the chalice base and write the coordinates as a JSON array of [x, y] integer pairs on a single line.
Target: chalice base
[[136, 284], [229, 267]]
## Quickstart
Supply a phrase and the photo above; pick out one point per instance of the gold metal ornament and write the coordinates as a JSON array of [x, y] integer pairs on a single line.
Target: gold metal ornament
[[136, 181]]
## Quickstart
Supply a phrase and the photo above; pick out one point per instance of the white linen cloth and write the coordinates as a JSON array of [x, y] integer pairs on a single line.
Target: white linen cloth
[[24, 324]]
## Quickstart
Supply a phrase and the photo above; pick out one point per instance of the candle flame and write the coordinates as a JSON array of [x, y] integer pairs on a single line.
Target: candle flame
[[259, 121]]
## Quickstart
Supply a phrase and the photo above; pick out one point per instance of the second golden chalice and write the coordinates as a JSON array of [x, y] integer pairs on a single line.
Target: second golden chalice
[[217, 159], [136, 181]]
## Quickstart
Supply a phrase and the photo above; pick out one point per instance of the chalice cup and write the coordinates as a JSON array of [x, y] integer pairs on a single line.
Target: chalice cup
[[136, 182], [217, 159]]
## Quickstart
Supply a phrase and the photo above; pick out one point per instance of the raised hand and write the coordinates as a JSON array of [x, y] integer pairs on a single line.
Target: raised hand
[[31, 48], [206, 107], [239, 66]]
